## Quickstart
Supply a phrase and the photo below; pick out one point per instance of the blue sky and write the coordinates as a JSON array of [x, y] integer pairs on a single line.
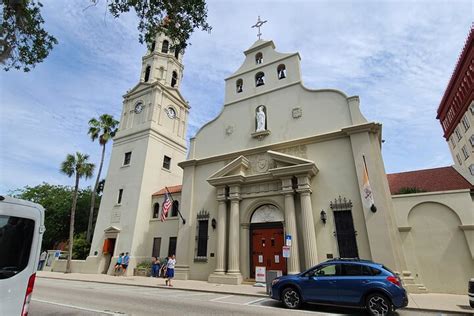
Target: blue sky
[[398, 56]]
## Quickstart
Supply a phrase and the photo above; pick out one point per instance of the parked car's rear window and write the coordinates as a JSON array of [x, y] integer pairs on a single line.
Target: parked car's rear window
[[389, 270], [16, 237]]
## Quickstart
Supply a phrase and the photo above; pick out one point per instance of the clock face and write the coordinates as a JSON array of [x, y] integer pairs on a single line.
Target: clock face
[[138, 108], [171, 112]]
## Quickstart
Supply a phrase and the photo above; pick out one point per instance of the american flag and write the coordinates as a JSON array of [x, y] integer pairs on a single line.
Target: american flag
[[166, 207]]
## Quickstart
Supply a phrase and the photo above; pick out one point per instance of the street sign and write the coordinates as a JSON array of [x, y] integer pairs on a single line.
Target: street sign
[[286, 251], [288, 240], [260, 274]]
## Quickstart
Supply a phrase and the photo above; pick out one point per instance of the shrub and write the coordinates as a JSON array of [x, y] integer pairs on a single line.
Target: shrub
[[144, 265]]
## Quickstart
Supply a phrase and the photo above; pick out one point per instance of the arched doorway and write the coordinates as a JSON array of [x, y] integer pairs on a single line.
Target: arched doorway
[[267, 239]]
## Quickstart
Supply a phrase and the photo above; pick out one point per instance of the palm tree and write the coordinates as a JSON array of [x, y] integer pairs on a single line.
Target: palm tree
[[79, 166], [103, 129]]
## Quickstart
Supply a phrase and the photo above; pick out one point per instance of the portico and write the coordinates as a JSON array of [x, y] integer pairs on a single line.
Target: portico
[[284, 177]]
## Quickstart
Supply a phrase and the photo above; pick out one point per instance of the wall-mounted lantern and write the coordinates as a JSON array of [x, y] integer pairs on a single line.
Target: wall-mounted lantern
[[214, 223], [373, 208]]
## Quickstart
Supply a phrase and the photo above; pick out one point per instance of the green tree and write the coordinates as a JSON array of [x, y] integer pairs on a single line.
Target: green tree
[[175, 18], [75, 165], [102, 129], [81, 246], [57, 201], [24, 42]]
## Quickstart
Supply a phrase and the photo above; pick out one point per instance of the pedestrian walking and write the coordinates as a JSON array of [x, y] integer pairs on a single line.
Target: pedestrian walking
[[125, 261], [118, 265], [42, 260], [170, 270]]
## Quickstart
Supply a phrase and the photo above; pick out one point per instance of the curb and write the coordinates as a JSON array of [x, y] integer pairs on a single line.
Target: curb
[[437, 310], [157, 287], [241, 294]]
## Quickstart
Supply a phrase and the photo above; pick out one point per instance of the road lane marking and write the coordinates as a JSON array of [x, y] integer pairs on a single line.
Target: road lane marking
[[77, 307], [255, 301], [220, 297]]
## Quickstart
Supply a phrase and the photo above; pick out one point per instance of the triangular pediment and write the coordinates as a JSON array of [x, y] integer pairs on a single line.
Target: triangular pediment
[[284, 160], [112, 229], [236, 167], [172, 92], [138, 87]]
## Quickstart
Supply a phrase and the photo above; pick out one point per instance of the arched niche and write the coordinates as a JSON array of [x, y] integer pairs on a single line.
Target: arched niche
[[267, 213]]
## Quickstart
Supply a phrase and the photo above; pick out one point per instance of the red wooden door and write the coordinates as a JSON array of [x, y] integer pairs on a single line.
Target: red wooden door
[[267, 248]]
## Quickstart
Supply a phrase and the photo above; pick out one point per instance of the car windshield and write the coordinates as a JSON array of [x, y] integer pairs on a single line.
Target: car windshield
[[16, 236]]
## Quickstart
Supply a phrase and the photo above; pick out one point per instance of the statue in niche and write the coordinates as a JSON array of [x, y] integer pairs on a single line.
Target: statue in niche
[[261, 119]]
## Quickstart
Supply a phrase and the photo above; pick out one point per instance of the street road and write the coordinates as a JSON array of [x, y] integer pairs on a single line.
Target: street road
[[62, 297]]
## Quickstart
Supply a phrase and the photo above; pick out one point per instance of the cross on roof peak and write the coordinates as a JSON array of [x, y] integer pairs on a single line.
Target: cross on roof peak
[[258, 25]]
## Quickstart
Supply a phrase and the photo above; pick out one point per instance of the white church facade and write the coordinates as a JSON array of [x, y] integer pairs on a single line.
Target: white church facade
[[281, 161]]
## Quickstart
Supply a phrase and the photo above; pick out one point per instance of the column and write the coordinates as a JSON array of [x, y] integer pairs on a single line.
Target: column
[[309, 242], [290, 226], [234, 231], [221, 230]]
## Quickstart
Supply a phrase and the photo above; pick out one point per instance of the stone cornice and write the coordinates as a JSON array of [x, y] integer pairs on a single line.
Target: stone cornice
[[344, 132], [309, 169], [227, 180], [126, 135], [466, 227]]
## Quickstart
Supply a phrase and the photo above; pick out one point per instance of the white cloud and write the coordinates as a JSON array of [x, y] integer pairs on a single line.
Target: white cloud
[[397, 56]]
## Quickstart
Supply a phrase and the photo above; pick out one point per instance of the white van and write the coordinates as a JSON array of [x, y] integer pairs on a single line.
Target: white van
[[21, 233]]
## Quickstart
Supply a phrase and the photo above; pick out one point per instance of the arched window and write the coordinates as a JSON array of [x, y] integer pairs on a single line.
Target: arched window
[[259, 79], [176, 52], [165, 47], [156, 210], [239, 85], [174, 79], [281, 71], [175, 208], [152, 48], [147, 73], [259, 58]]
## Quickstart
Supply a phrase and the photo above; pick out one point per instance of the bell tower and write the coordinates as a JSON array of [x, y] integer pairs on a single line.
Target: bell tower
[[163, 62], [146, 151]]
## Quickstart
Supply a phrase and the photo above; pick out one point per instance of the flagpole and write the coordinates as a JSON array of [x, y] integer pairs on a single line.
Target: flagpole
[[365, 166], [181, 215], [373, 208]]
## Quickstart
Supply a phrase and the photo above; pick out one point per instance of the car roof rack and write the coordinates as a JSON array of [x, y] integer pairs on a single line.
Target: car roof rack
[[350, 259]]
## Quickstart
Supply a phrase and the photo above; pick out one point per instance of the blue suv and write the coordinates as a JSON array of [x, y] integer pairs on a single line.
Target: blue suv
[[343, 282]]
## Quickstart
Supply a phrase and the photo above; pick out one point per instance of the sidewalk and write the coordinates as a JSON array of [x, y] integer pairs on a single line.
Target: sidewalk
[[433, 302]]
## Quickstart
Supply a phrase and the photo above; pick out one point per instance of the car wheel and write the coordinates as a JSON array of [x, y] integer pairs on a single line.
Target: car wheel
[[291, 298], [378, 305]]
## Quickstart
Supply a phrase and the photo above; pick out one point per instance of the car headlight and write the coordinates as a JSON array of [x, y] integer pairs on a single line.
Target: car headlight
[[275, 281]]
